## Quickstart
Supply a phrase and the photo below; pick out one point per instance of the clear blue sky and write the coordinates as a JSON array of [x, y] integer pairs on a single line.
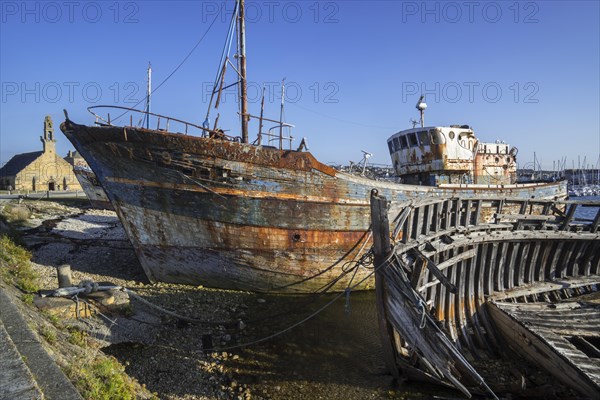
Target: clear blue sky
[[524, 72]]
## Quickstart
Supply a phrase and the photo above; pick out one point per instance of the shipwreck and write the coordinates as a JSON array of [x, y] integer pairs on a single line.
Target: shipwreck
[[204, 207], [462, 282]]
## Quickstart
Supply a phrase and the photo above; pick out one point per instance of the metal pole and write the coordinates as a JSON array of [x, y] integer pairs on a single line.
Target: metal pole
[[260, 121], [243, 82], [148, 94], [281, 114]]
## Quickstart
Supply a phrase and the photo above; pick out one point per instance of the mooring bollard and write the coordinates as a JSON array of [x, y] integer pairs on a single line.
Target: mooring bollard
[[64, 275]]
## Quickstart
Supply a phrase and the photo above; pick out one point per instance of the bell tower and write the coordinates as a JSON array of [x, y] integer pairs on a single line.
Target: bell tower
[[48, 139]]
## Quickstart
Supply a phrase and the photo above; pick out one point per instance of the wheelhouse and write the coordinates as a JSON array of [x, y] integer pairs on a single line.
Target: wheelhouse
[[451, 154]]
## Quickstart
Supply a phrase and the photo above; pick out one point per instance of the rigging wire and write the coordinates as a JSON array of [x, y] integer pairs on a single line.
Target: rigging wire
[[176, 68], [345, 121]]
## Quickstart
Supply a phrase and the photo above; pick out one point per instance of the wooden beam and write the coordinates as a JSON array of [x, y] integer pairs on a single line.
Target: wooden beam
[[381, 251], [569, 217]]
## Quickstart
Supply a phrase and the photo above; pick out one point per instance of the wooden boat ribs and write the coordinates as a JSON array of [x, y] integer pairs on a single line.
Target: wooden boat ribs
[[456, 264]]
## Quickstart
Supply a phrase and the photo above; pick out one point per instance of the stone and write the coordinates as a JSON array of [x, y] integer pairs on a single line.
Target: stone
[[64, 308]]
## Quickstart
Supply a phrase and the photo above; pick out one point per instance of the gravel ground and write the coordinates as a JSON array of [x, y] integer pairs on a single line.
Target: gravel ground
[[232, 349], [334, 356]]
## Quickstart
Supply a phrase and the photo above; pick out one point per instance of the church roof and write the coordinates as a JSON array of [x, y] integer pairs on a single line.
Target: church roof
[[19, 162]]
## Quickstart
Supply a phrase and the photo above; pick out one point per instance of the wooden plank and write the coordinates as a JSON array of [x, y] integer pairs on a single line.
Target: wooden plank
[[549, 286], [417, 272], [427, 218], [540, 352], [521, 264], [468, 213], [406, 235], [478, 212], [499, 210], [550, 268], [490, 270], [436, 271], [423, 334], [457, 258], [596, 223], [448, 213], [456, 210], [525, 217], [523, 208], [501, 266], [437, 216], [569, 217], [381, 251], [418, 222], [510, 264]]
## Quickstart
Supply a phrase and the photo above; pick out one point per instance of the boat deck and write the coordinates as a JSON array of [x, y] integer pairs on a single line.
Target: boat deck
[[560, 336]]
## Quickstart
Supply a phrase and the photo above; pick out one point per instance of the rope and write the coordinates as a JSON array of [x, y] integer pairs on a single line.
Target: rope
[[263, 339], [172, 313], [310, 316], [325, 270], [422, 309], [342, 120], [347, 308]]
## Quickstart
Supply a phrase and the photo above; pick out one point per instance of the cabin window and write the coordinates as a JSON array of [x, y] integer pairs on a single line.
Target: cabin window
[[403, 142], [391, 146], [412, 139], [437, 137], [396, 144], [423, 138], [451, 135]]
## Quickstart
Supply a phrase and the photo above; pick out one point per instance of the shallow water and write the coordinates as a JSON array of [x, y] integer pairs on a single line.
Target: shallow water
[[586, 212]]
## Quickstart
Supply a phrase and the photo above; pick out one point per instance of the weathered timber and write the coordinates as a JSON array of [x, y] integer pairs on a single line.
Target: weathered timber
[[382, 250], [537, 331], [509, 251]]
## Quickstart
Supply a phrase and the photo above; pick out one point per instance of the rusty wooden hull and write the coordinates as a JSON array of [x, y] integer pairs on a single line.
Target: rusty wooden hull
[[231, 215]]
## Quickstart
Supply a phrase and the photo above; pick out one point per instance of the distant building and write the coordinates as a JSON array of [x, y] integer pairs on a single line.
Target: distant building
[[41, 170], [76, 159]]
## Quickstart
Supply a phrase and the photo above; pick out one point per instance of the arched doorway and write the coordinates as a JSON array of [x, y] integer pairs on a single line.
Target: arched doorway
[[51, 186]]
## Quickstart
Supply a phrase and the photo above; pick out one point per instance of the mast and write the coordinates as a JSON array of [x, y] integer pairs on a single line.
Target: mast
[[421, 106], [242, 65], [149, 91], [281, 114]]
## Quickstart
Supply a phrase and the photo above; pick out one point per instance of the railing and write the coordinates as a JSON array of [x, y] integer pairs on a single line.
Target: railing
[[273, 137], [430, 217], [160, 120]]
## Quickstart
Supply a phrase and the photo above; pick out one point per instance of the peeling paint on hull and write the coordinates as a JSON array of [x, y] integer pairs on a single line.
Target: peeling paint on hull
[[232, 215], [92, 189]]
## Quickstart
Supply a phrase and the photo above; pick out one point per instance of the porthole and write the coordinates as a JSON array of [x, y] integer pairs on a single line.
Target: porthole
[[451, 135]]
